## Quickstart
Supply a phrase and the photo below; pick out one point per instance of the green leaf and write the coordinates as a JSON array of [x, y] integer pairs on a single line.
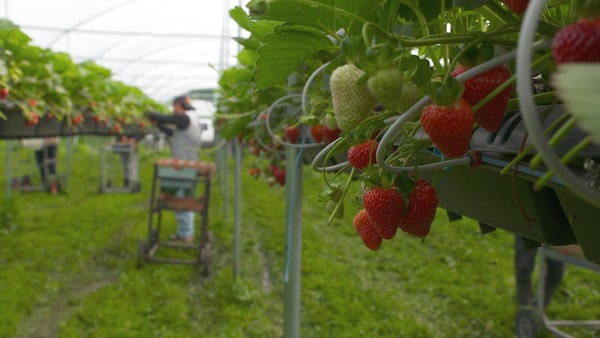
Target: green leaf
[[326, 15], [258, 28], [284, 50]]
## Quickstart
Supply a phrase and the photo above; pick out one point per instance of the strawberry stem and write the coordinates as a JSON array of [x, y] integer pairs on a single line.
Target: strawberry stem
[[521, 155], [540, 183], [560, 134], [341, 201]]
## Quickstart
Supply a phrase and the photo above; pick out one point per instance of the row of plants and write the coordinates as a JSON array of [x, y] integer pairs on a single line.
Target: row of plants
[[385, 90], [43, 85]]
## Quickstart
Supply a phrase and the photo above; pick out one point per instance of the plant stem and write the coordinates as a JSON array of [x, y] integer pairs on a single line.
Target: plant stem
[[343, 197], [540, 183], [560, 134], [531, 147]]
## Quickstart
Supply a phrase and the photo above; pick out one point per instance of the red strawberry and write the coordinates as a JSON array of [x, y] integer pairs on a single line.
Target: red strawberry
[[365, 228], [420, 212], [489, 116], [517, 6], [32, 102], [385, 206], [362, 154], [577, 42], [292, 133], [116, 129], [4, 91], [279, 174], [77, 119], [316, 132], [33, 119], [254, 172], [449, 127], [331, 135]]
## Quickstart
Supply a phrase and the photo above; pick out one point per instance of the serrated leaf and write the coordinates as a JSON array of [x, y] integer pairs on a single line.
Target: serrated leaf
[[325, 15], [284, 50]]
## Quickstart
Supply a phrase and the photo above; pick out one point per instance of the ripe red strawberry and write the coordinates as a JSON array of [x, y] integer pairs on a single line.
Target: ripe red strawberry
[[449, 127], [32, 102], [116, 129], [517, 6], [33, 119], [362, 154], [489, 116], [577, 42], [385, 206], [366, 230], [254, 172], [279, 174], [316, 131], [292, 133], [420, 212], [331, 135], [76, 120], [4, 91]]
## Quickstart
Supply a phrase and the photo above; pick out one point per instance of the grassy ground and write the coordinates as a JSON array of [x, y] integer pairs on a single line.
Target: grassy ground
[[68, 269]]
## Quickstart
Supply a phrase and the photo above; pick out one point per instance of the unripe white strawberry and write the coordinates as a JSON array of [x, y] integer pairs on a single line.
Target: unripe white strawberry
[[352, 102], [410, 95], [386, 85]]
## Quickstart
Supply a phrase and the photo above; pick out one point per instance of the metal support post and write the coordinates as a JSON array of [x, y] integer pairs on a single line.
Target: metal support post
[[292, 273], [237, 208]]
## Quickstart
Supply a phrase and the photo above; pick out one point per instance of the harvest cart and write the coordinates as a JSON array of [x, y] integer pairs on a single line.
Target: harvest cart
[[178, 186], [25, 175], [531, 321], [110, 156]]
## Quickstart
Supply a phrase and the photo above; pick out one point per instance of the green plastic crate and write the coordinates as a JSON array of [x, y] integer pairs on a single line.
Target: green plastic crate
[[184, 178]]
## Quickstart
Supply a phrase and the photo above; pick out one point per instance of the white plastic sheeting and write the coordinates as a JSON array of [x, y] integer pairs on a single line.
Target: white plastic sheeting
[[166, 48]]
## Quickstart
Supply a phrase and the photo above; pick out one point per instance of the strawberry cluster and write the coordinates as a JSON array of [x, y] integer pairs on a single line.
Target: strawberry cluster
[[385, 210]]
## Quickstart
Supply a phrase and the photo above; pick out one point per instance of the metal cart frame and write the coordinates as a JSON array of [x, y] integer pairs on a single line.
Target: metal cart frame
[[27, 166], [531, 321], [107, 168], [194, 178]]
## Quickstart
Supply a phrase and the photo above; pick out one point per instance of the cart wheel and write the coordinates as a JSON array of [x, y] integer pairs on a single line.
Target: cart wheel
[[142, 253], [529, 323]]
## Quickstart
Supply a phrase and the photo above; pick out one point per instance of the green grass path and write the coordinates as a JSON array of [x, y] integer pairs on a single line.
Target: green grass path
[[68, 269]]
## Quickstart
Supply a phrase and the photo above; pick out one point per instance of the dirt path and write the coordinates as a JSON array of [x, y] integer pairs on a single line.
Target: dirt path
[[45, 320]]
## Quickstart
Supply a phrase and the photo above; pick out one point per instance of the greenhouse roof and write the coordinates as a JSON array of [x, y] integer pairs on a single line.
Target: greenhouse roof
[[165, 48]]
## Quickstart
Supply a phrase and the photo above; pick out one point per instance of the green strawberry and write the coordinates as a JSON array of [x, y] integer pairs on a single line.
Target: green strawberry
[[420, 211], [449, 126], [385, 206], [352, 102], [330, 208], [410, 95], [362, 154], [386, 85], [365, 228]]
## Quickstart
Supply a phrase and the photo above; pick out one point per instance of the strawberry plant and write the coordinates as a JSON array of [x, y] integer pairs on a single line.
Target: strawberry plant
[[416, 77], [51, 83]]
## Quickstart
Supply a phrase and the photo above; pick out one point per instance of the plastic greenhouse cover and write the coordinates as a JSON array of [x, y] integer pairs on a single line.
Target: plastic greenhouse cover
[[165, 48]]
